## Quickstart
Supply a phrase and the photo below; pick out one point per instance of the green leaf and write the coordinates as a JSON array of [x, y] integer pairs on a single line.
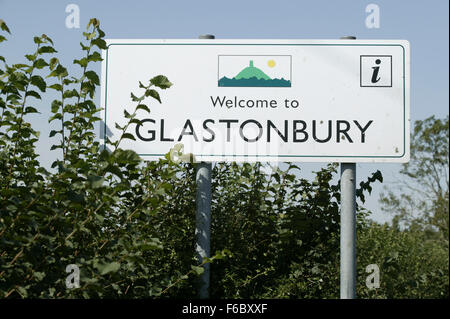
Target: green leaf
[[20, 65], [56, 87], [46, 49], [95, 57], [126, 114], [142, 86], [3, 26], [71, 195], [100, 218], [95, 181], [93, 77], [161, 81], [30, 109], [83, 62], [100, 43], [135, 121], [378, 176], [39, 82], [55, 106], [33, 94], [53, 133], [154, 243], [154, 94], [84, 47], [54, 147], [53, 63], [30, 57], [90, 35], [143, 107], [94, 22], [37, 40], [197, 270], [59, 72], [70, 94], [39, 275], [107, 268], [67, 81], [57, 116], [128, 136], [22, 291], [44, 36], [134, 98], [40, 63]]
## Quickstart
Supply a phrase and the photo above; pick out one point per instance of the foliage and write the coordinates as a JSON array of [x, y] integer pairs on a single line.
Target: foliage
[[424, 198], [420, 206], [96, 209], [411, 265], [129, 225]]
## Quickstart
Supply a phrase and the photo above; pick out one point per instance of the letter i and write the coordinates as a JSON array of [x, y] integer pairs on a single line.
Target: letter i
[[375, 77]]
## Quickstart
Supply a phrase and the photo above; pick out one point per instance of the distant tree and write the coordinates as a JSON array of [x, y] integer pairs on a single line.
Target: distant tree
[[422, 199], [413, 252]]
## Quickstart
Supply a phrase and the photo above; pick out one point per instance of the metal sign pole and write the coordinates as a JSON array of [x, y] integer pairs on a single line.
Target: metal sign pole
[[203, 224], [203, 218], [348, 227], [348, 231]]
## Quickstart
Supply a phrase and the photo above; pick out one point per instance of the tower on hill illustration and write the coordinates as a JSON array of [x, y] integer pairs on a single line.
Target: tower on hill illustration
[[252, 76]]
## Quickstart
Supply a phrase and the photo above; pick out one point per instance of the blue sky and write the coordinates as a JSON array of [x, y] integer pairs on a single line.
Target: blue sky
[[423, 23]]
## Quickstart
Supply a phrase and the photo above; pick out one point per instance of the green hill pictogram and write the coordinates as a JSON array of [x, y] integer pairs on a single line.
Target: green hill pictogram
[[252, 72], [252, 76]]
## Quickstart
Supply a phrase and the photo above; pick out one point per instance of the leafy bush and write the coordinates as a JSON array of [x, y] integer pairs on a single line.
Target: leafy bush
[[96, 209]]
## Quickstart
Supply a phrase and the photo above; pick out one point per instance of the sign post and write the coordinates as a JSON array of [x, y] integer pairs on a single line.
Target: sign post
[[203, 218], [203, 224], [348, 231], [348, 227]]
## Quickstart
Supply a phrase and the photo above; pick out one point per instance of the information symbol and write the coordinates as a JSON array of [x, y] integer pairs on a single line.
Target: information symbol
[[376, 71]]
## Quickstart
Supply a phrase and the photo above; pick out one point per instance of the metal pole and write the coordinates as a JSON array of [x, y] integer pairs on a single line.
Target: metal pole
[[203, 224], [348, 227], [203, 218], [348, 231]]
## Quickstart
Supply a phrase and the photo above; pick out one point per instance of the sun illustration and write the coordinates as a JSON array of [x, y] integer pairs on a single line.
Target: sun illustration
[[271, 63]]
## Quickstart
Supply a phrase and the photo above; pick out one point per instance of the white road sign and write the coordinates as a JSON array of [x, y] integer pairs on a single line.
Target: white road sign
[[264, 100]]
